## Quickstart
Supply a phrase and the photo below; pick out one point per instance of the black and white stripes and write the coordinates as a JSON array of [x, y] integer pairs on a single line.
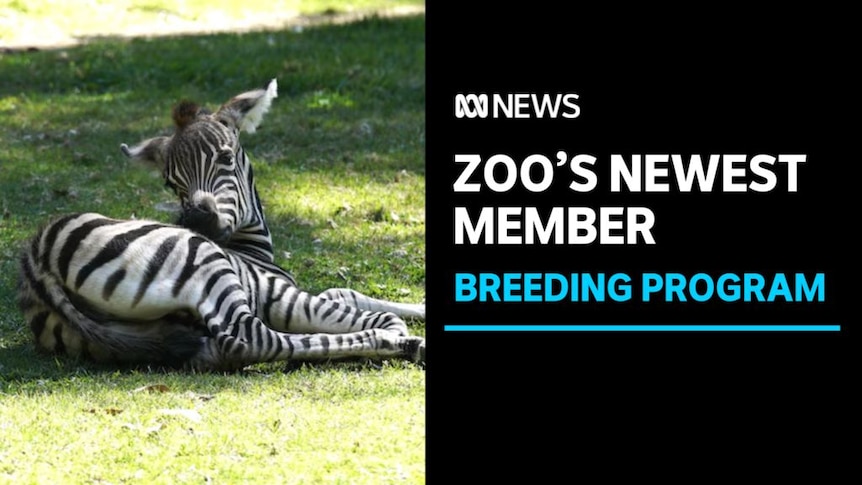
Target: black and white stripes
[[219, 199], [173, 298], [207, 295]]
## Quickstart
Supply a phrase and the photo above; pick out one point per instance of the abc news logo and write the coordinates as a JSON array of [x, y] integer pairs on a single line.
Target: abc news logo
[[517, 105]]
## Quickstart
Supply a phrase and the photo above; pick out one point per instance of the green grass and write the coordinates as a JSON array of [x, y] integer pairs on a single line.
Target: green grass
[[313, 425], [340, 167]]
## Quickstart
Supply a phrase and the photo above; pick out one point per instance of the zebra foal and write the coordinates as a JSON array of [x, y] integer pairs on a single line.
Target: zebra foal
[[208, 296]]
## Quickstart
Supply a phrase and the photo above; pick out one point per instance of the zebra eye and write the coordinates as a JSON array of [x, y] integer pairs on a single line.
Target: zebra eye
[[226, 158]]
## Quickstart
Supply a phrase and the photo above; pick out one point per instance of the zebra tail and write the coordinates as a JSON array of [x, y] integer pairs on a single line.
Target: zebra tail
[[151, 342]]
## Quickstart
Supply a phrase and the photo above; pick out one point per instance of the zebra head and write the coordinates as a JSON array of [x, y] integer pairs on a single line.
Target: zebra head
[[205, 165]]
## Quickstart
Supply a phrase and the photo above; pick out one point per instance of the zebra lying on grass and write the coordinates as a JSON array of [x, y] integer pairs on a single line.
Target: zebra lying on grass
[[142, 291], [208, 169]]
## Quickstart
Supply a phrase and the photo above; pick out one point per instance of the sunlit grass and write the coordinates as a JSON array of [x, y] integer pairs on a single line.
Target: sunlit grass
[[47, 22], [259, 427]]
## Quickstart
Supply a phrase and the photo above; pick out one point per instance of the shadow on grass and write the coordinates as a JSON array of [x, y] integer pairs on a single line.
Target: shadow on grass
[[21, 365], [360, 55], [63, 114], [342, 88]]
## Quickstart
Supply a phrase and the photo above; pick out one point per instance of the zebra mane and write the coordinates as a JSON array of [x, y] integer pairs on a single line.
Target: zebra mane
[[185, 113]]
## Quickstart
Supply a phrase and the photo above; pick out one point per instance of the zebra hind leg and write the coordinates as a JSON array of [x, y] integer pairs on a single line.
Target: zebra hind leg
[[54, 335], [253, 342], [374, 344]]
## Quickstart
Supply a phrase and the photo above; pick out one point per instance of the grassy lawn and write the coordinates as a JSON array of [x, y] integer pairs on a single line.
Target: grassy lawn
[[341, 170]]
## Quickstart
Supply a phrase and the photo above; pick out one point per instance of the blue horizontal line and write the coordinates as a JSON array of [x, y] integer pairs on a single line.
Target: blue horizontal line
[[642, 328]]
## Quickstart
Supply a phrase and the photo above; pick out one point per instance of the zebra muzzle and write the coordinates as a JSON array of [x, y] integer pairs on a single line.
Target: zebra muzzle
[[203, 218]]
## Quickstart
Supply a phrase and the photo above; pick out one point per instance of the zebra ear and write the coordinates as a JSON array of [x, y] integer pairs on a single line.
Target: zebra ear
[[245, 111], [151, 150]]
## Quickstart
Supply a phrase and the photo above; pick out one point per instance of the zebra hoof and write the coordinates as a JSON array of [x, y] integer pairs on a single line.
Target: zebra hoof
[[416, 351]]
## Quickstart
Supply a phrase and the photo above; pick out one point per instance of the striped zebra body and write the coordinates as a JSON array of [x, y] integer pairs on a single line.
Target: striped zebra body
[[142, 291]]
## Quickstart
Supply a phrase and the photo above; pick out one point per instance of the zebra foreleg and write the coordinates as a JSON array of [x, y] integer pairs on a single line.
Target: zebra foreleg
[[295, 311], [358, 300], [374, 344], [252, 342]]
